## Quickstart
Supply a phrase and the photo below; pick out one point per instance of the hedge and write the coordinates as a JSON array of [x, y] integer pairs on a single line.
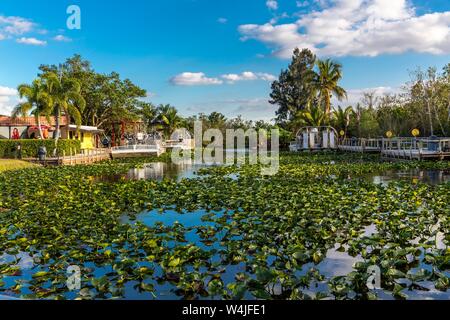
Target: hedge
[[29, 148]]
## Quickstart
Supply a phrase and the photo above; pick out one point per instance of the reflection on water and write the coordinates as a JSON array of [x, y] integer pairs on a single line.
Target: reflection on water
[[157, 171], [432, 177], [161, 170]]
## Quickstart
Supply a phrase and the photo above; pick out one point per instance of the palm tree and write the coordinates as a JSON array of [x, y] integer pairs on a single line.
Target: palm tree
[[148, 114], [169, 118], [38, 102], [66, 96], [342, 118], [326, 83], [311, 116]]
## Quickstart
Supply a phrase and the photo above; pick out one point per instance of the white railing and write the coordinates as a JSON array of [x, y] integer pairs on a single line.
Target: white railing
[[421, 144], [361, 144], [137, 147]]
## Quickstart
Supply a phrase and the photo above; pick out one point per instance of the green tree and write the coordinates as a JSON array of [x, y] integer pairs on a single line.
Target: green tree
[[148, 113], [109, 98], [217, 120], [313, 116], [168, 115], [66, 97], [342, 118], [326, 82], [294, 90], [38, 102]]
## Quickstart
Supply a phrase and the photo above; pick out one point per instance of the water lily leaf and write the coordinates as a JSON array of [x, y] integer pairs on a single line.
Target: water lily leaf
[[174, 262], [395, 273]]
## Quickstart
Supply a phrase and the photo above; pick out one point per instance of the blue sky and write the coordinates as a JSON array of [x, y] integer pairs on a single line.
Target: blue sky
[[221, 55]]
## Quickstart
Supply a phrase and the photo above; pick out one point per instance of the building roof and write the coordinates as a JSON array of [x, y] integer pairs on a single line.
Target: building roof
[[73, 127], [6, 121]]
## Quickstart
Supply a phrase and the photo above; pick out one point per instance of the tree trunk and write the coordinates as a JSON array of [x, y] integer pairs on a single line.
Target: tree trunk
[[327, 106], [58, 129], [41, 135], [430, 118]]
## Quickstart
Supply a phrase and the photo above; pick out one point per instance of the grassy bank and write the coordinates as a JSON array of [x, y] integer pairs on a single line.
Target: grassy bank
[[7, 165]]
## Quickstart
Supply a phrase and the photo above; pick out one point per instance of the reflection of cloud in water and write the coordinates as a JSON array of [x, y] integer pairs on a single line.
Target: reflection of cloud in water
[[337, 263], [25, 260]]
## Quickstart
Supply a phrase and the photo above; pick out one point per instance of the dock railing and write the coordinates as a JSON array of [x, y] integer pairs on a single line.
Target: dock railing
[[416, 148], [360, 145], [155, 147], [86, 156]]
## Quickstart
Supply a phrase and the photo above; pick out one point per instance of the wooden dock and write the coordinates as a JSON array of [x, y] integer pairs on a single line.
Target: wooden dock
[[361, 145], [400, 148], [416, 149], [86, 157]]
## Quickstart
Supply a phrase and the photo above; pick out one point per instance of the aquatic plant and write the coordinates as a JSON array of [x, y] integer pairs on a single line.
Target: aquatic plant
[[253, 236]]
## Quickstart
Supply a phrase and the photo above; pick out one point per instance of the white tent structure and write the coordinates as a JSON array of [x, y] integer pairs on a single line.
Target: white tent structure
[[315, 138]]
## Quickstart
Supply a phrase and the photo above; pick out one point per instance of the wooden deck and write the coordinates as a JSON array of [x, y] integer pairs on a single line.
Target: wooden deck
[[416, 149], [400, 148], [87, 157], [361, 145]]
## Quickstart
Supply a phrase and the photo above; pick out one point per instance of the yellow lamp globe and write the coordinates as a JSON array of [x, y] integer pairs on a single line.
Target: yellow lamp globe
[[415, 132], [389, 134], [342, 133]]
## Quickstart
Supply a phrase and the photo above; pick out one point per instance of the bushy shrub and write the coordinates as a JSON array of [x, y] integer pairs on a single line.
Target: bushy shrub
[[29, 148]]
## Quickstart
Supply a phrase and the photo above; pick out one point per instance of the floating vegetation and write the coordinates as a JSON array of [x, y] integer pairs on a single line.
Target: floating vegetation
[[239, 235]]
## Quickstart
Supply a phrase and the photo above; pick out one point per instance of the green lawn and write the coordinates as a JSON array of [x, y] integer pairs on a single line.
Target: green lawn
[[6, 165]]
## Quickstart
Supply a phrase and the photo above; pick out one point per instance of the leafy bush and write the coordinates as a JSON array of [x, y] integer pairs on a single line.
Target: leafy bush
[[8, 148]]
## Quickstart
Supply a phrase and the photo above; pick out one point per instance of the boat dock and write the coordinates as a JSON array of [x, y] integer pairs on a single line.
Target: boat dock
[[361, 145], [86, 157], [416, 148], [400, 148]]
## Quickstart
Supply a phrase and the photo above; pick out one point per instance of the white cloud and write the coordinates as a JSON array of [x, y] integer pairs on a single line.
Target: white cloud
[[358, 28], [5, 91], [194, 79], [244, 76], [266, 76], [272, 4], [31, 41], [8, 99], [15, 25], [222, 20], [62, 38], [199, 78]]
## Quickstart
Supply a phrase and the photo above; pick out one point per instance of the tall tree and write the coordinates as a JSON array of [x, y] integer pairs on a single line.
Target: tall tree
[[38, 102], [342, 118], [170, 119], [217, 120], [109, 98], [294, 90], [312, 116], [326, 82], [66, 97], [148, 113]]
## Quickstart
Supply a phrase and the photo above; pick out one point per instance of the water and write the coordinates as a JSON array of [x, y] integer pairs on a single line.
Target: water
[[432, 177], [160, 170], [157, 171], [335, 263]]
